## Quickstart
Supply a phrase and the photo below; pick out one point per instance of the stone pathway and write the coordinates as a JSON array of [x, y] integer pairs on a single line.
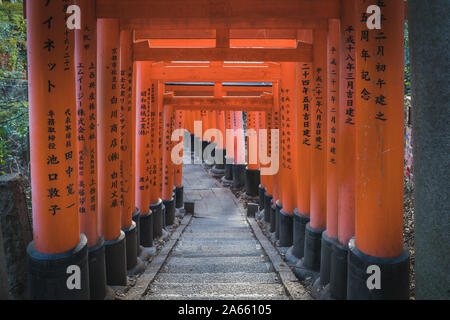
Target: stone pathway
[[217, 256]]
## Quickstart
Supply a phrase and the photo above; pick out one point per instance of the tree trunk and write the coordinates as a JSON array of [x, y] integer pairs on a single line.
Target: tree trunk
[[16, 230], [429, 31]]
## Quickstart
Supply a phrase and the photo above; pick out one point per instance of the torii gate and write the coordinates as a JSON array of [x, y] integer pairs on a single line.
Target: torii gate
[[338, 103]]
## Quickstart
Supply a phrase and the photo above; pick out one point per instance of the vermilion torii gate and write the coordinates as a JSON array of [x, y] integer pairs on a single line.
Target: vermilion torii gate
[[102, 117]]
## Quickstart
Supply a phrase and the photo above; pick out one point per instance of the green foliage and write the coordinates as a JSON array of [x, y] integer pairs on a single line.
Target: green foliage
[[13, 89], [407, 64]]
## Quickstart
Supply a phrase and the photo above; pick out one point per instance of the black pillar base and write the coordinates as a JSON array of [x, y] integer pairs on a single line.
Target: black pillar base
[[229, 170], [220, 167], [163, 217], [179, 197], [97, 271], [261, 192], [394, 274], [276, 212], [204, 145], [325, 265], [131, 235], [170, 211], [238, 175], [286, 229], [338, 272], [252, 179], [192, 142], [309, 265], [146, 230], [267, 199], [137, 219], [156, 209], [272, 217], [48, 277], [116, 261], [298, 247]]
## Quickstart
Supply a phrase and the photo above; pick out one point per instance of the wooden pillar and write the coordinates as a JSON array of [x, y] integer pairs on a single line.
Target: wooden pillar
[[313, 234], [130, 217], [330, 234], [288, 164], [178, 168], [86, 85], [229, 148], [108, 77], [239, 150], [219, 167], [346, 157], [143, 150], [380, 157], [54, 156], [262, 186], [155, 172], [252, 174], [160, 102], [273, 202], [304, 133], [167, 164]]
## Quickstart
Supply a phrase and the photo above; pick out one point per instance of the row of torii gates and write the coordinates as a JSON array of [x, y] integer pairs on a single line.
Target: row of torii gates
[[105, 99]]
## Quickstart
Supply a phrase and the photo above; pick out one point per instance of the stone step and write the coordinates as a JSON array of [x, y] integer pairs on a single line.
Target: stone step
[[234, 277], [217, 290], [215, 260], [228, 251], [262, 267], [175, 296]]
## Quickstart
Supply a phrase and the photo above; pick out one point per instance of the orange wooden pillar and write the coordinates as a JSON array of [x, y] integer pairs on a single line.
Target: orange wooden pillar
[[167, 164], [159, 149], [304, 142], [329, 236], [198, 135], [57, 242], [252, 173], [272, 200], [261, 117], [209, 152], [130, 217], [239, 150], [229, 148], [219, 167], [108, 84], [156, 204], [205, 126], [346, 146], [179, 125], [86, 76], [379, 159], [143, 151], [288, 164], [313, 234]]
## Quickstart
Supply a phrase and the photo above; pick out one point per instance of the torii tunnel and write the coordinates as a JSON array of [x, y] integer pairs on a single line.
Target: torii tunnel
[[309, 83]]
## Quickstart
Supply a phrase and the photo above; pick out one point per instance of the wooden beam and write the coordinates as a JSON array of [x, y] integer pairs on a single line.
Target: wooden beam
[[211, 43], [223, 104], [142, 52], [212, 74], [145, 34], [212, 14], [208, 91]]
